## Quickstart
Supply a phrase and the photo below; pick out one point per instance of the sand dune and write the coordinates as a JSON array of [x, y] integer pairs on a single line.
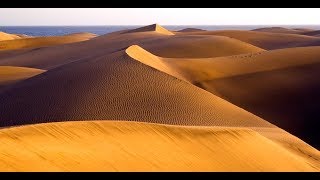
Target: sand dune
[[162, 45], [202, 69], [9, 75], [286, 97], [281, 30], [222, 67], [246, 80], [44, 41], [5, 36], [131, 90], [190, 30], [129, 146], [280, 86], [303, 29], [266, 40], [312, 33], [153, 28], [198, 46]]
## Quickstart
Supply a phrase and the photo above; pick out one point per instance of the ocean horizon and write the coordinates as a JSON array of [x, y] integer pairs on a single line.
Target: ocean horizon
[[101, 30]]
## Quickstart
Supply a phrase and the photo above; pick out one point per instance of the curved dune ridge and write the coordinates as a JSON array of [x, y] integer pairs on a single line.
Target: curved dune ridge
[[266, 40], [44, 41], [131, 90], [198, 46], [139, 54], [10, 74], [202, 69], [5, 36], [153, 28], [235, 78], [131, 146]]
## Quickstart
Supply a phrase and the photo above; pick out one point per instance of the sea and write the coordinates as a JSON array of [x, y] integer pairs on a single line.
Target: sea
[[101, 30]]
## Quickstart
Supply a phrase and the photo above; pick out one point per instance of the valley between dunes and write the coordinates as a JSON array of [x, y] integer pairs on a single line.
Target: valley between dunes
[[150, 99]]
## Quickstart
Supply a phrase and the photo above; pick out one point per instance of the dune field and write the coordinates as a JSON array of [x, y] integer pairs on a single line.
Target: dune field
[[151, 99]]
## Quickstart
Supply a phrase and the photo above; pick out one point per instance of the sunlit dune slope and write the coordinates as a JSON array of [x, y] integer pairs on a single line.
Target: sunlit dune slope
[[115, 86], [153, 28], [5, 36], [266, 40], [44, 41], [9, 74], [131, 146]]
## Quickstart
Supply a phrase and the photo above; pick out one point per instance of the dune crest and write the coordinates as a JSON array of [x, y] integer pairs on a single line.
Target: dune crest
[[153, 28], [132, 146], [145, 57]]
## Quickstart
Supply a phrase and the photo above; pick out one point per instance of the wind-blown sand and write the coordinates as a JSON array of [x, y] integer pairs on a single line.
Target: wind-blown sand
[[125, 80], [131, 146]]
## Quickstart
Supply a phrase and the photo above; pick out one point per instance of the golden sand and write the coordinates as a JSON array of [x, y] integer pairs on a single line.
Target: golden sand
[[131, 146]]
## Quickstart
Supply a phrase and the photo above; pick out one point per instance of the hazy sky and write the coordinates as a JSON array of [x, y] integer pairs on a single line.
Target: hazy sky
[[163, 16]]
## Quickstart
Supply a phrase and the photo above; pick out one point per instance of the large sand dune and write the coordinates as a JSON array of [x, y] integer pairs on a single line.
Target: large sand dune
[[9, 74], [251, 80], [44, 41], [129, 146], [115, 86]]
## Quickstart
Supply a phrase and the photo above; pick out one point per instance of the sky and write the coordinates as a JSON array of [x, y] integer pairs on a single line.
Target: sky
[[162, 16]]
